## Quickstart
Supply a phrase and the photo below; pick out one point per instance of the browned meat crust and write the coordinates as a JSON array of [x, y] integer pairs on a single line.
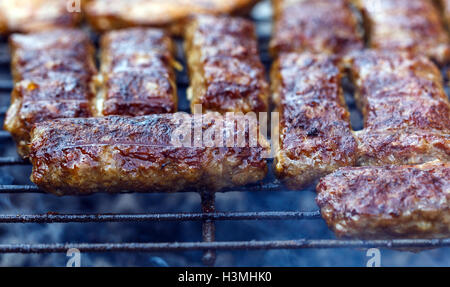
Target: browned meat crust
[[408, 25], [35, 15], [406, 110], [402, 147], [226, 72], [319, 26], [388, 201], [51, 53], [52, 72], [315, 132], [113, 154], [445, 5], [3, 24], [171, 14], [136, 73]]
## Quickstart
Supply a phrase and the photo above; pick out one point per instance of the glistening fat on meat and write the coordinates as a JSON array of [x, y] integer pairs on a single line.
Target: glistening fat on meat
[[53, 73], [145, 154], [387, 201], [226, 74], [137, 76], [315, 131]]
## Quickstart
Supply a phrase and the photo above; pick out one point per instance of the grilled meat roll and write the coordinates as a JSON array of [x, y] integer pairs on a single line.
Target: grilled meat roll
[[145, 154], [315, 132], [171, 14], [406, 25], [35, 15], [319, 26], [224, 66], [406, 111], [388, 201], [52, 72], [136, 73]]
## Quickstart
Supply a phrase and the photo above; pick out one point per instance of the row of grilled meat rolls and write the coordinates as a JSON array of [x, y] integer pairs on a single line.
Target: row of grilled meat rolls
[[114, 130], [402, 186]]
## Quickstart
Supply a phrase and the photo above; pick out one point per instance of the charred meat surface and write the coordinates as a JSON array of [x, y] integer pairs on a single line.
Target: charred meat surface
[[414, 26], [402, 147], [318, 26], [171, 14], [225, 70], [406, 111], [52, 71], [145, 154], [137, 77], [51, 53], [35, 15], [315, 132], [388, 201]]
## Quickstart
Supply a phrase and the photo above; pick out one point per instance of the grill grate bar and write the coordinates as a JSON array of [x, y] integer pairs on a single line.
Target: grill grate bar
[[6, 84], [13, 161], [224, 245], [216, 216], [19, 189], [208, 226], [4, 135], [264, 187]]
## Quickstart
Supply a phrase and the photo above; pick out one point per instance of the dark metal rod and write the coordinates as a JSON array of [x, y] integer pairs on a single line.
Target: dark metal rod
[[6, 84], [13, 161], [3, 110], [4, 135], [4, 59], [217, 216], [224, 245], [208, 226], [266, 187], [19, 189]]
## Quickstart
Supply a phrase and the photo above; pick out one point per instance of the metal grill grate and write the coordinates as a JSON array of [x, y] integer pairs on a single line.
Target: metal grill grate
[[208, 216]]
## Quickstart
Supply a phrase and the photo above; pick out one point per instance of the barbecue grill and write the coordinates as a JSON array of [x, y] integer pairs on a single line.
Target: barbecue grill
[[208, 215]]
